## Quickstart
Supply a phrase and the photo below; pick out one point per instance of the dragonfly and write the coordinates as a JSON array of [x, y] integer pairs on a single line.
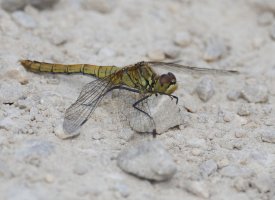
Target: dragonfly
[[140, 78]]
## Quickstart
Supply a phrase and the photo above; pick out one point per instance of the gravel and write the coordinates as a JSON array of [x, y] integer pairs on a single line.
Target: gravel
[[205, 89], [255, 93], [148, 160]]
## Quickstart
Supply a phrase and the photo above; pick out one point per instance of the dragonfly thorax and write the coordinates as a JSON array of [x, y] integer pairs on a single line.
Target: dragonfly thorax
[[166, 83]]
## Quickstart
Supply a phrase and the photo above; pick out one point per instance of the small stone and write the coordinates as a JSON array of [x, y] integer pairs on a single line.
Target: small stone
[[208, 167], [205, 89], [10, 92], [156, 55], [102, 6], [255, 93], [49, 178], [228, 116], [244, 110], [223, 163], [148, 160], [196, 143], [240, 133], [196, 152], [265, 18], [233, 95], [42, 4], [197, 188], [263, 184], [235, 171], [24, 19], [240, 184], [215, 50], [80, 169], [268, 135], [272, 31], [171, 53], [62, 134], [182, 39]]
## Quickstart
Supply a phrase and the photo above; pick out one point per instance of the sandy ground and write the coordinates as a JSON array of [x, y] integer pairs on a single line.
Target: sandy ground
[[223, 149]]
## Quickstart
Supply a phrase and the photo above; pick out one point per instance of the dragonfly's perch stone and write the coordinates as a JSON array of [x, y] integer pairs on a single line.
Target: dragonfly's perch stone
[[165, 113], [148, 160]]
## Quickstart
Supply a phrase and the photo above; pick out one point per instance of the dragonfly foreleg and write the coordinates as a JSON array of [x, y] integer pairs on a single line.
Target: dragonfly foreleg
[[139, 101]]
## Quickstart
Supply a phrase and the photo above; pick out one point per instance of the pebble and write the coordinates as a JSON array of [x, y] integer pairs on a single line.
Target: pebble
[[255, 93], [263, 184], [62, 134], [24, 19], [196, 152], [235, 171], [11, 91], [244, 109], [228, 116], [215, 50], [148, 160], [240, 184], [272, 31], [223, 163], [156, 55], [13, 5], [205, 89], [196, 143], [197, 188], [49, 178], [208, 167], [240, 133], [182, 39], [233, 95], [102, 6], [158, 109], [268, 135], [123, 189], [265, 18], [171, 53]]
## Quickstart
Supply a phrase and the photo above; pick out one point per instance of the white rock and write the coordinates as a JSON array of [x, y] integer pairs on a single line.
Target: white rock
[[205, 89], [148, 160], [198, 188], [208, 167], [182, 39], [223, 163], [255, 93], [171, 53], [215, 49], [7, 123], [244, 109], [11, 92], [24, 19], [268, 135], [156, 55]]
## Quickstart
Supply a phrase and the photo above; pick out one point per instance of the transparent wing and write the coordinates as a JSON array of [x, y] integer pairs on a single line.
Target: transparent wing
[[80, 111], [184, 68]]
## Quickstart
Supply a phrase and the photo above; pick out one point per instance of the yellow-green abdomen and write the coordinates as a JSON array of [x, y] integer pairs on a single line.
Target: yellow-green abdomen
[[94, 70]]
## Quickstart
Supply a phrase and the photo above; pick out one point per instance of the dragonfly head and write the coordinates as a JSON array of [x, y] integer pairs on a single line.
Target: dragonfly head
[[166, 83]]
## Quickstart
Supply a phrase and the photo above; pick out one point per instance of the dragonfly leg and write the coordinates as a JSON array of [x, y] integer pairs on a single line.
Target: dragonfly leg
[[140, 100], [174, 97]]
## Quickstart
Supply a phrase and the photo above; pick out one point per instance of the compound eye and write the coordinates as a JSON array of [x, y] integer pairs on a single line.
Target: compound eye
[[164, 78]]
